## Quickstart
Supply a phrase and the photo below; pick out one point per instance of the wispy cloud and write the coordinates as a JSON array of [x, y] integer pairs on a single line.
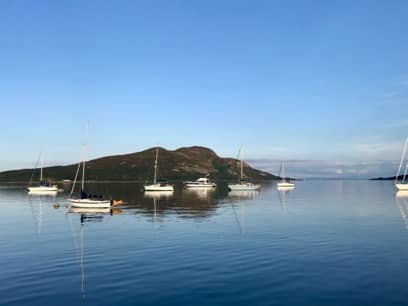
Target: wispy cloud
[[328, 169]]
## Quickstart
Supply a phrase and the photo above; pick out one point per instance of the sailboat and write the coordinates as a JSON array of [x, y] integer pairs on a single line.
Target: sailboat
[[44, 186], [402, 185], [243, 185], [86, 200], [285, 184], [157, 186]]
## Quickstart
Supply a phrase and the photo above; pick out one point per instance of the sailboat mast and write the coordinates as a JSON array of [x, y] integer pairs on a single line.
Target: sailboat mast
[[41, 166], [155, 167], [402, 160], [84, 158], [83, 168], [242, 166], [283, 170]]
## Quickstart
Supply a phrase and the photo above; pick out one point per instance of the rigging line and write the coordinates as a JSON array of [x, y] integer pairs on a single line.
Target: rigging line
[[76, 176], [35, 167], [402, 159], [405, 172]]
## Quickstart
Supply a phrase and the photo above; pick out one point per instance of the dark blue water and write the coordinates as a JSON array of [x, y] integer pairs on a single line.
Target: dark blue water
[[325, 243]]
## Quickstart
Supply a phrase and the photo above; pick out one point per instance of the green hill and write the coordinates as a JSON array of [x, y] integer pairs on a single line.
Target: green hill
[[181, 164]]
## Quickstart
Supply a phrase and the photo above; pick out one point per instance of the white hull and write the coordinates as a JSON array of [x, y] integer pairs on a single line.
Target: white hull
[[286, 185], [401, 186], [89, 203], [194, 185], [248, 186], [158, 187], [43, 189], [158, 194], [93, 210]]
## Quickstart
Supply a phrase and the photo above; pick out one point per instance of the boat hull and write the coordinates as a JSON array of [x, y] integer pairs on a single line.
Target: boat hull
[[90, 203], [158, 187], [401, 186], [193, 185], [286, 185], [244, 186], [39, 189]]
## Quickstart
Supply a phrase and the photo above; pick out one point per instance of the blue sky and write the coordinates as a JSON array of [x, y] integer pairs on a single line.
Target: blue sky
[[305, 81]]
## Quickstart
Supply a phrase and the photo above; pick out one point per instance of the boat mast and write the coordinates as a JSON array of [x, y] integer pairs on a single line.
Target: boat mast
[[283, 170], [402, 159], [84, 158], [242, 168], [155, 166], [83, 168], [41, 167]]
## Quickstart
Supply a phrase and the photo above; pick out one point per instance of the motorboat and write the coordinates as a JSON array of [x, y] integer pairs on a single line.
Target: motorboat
[[202, 182]]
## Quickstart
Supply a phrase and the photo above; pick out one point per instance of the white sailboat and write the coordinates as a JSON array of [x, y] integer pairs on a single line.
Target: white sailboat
[[158, 186], [202, 182], [402, 185], [44, 186], [86, 200], [243, 185], [285, 184]]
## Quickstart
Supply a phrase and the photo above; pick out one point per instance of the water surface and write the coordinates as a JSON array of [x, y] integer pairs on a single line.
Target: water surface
[[324, 243]]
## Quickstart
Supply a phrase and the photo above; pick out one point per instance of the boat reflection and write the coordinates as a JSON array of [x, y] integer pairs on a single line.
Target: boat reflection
[[402, 194], [158, 194], [243, 194], [87, 215], [402, 203], [200, 193], [283, 193]]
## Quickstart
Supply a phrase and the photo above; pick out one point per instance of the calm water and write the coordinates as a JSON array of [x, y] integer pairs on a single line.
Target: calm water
[[325, 243]]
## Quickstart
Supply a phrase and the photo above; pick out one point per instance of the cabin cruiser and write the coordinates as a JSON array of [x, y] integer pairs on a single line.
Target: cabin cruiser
[[202, 182]]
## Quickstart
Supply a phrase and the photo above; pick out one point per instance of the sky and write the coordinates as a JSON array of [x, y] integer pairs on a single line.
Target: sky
[[321, 84]]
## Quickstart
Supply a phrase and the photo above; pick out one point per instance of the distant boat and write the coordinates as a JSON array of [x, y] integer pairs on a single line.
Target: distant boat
[[243, 185], [202, 182], [44, 186], [86, 200], [157, 186], [285, 184], [402, 185]]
